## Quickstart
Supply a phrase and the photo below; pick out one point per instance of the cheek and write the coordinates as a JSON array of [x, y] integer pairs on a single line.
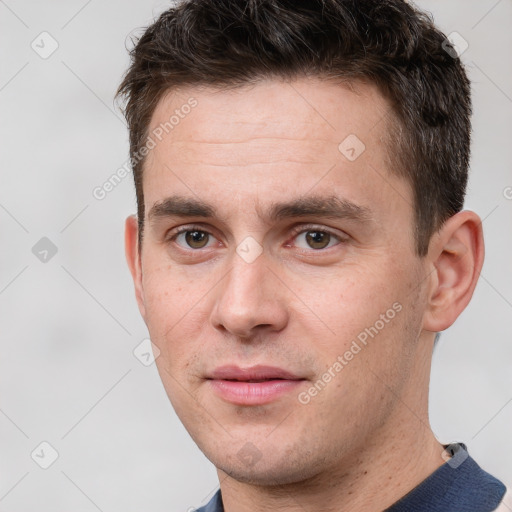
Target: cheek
[[177, 317], [369, 318], [169, 303], [347, 303]]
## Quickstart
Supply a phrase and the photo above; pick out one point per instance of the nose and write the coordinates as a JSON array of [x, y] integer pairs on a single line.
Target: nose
[[250, 300]]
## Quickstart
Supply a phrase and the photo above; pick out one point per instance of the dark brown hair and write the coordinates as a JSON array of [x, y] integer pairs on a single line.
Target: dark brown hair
[[229, 43]]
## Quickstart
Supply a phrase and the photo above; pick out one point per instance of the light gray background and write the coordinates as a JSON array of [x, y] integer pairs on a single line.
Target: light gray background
[[69, 326]]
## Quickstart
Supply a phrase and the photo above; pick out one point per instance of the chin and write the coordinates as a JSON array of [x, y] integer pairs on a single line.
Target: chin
[[266, 476], [277, 469]]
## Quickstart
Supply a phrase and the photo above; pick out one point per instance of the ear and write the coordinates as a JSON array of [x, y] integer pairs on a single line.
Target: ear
[[456, 256], [133, 257]]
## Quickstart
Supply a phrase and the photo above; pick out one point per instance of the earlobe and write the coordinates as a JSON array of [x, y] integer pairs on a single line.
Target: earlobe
[[457, 255], [133, 258]]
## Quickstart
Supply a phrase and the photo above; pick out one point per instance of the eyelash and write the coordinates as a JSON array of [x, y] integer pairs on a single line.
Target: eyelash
[[295, 232], [312, 227]]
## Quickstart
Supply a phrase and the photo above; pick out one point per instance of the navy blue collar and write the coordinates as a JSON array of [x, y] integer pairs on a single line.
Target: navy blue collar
[[459, 485]]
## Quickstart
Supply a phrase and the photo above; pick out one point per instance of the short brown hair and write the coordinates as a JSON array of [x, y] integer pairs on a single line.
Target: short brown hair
[[229, 43]]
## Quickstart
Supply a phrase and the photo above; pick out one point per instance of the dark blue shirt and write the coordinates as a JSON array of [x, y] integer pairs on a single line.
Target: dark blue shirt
[[459, 485]]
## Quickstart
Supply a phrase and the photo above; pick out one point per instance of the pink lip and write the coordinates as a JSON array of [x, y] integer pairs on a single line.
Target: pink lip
[[256, 385]]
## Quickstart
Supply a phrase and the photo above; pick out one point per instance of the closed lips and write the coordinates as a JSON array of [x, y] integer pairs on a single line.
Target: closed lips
[[252, 374], [254, 386]]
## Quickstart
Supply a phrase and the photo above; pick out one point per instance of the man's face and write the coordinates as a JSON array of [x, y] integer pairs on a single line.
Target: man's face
[[297, 254]]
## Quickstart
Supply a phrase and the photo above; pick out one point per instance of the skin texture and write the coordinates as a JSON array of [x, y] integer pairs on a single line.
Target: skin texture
[[364, 439]]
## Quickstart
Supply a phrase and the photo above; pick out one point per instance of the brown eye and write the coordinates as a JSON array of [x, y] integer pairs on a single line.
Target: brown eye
[[196, 239], [317, 239]]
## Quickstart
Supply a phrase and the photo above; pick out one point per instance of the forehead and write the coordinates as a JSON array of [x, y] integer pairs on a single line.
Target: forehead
[[269, 140], [273, 107]]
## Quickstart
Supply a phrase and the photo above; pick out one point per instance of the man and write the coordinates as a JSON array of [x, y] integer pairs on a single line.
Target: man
[[300, 170]]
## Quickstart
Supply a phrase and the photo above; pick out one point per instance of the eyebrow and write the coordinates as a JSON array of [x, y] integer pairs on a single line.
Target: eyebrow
[[315, 206]]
